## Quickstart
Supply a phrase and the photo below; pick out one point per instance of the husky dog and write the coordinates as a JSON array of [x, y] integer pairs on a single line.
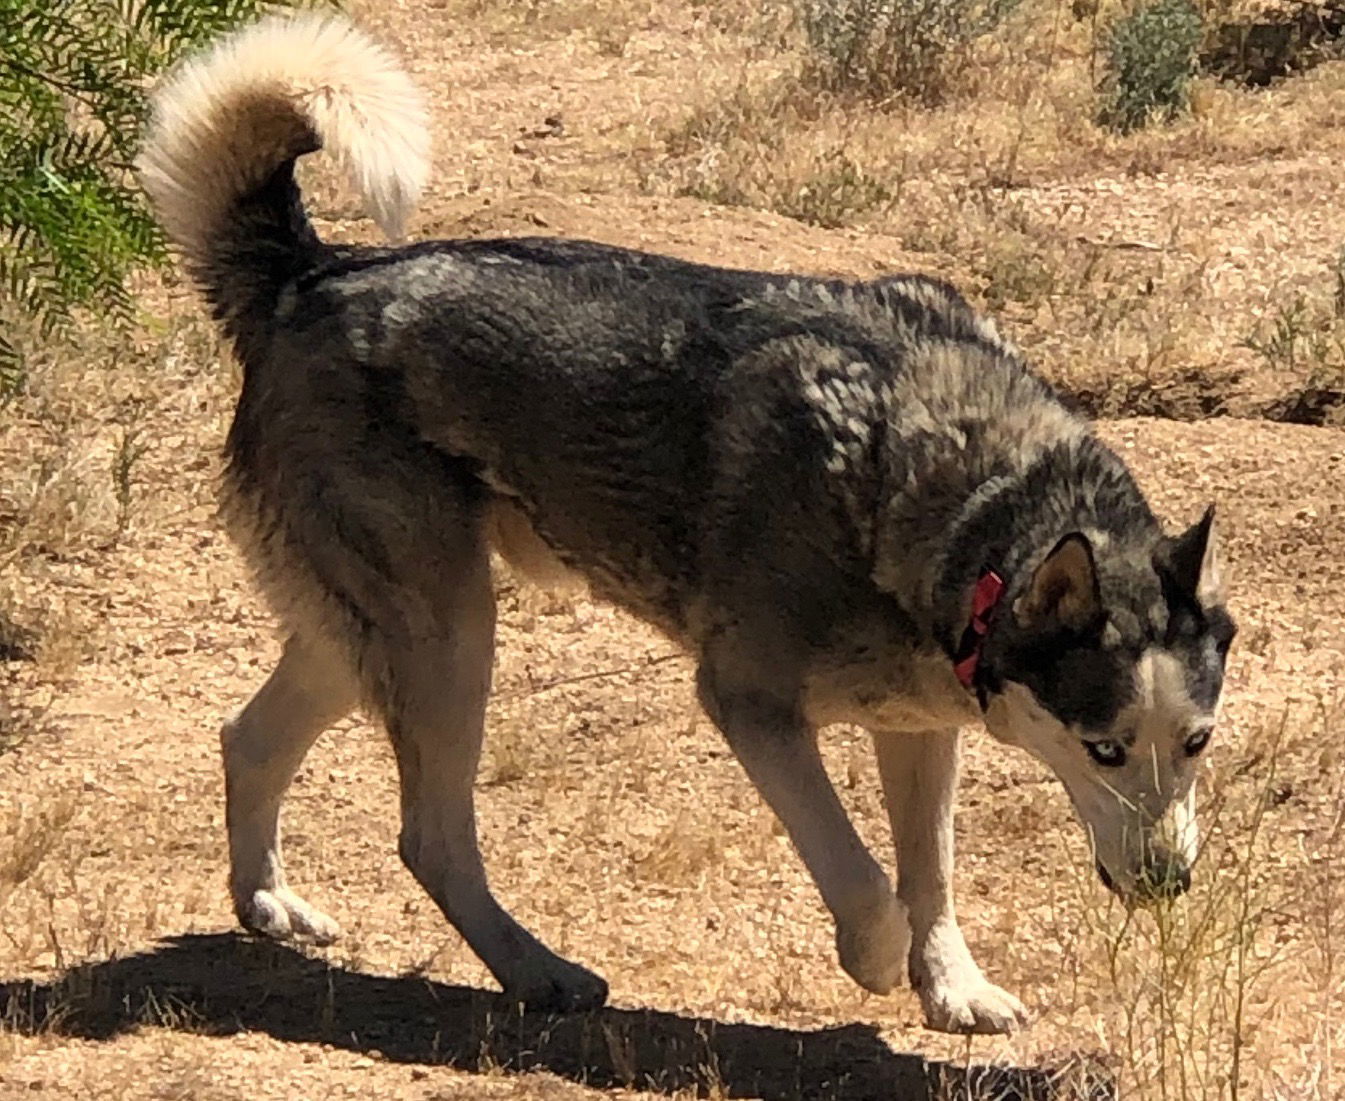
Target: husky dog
[[850, 502]]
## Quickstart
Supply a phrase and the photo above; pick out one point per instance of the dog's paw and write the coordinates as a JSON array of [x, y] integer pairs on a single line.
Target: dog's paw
[[558, 986], [973, 1005], [283, 915], [873, 949]]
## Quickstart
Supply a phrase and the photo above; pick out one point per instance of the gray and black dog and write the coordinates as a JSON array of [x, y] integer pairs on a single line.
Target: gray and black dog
[[850, 502]]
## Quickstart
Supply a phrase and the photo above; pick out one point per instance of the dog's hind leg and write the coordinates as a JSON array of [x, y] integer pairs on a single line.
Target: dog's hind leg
[[919, 774], [779, 753], [435, 708], [263, 745]]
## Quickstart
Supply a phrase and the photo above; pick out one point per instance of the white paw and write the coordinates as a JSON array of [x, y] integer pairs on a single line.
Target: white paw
[[283, 915], [873, 947], [972, 1005]]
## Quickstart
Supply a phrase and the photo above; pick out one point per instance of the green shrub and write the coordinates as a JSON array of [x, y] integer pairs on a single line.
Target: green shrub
[[1151, 57], [72, 82], [881, 49]]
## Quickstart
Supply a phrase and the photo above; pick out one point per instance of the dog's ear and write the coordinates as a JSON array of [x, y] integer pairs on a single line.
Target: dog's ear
[[1192, 560], [1064, 590]]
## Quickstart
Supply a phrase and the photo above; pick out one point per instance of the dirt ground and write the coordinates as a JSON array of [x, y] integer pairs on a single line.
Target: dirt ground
[[1143, 274]]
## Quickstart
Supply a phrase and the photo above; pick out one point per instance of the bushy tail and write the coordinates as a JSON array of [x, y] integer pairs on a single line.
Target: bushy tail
[[231, 118]]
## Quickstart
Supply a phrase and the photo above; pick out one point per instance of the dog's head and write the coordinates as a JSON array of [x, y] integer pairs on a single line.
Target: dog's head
[[1106, 662]]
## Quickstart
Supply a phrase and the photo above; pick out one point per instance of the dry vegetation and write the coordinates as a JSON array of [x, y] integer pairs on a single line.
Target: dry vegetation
[[1187, 280]]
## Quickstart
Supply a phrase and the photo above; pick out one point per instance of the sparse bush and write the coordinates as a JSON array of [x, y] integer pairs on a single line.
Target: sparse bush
[[841, 190], [728, 153], [1151, 58], [826, 187], [1018, 270], [1303, 341], [1303, 335], [882, 49]]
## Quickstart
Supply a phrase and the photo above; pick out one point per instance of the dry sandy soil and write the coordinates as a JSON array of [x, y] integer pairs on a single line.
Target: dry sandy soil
[[615, 823]]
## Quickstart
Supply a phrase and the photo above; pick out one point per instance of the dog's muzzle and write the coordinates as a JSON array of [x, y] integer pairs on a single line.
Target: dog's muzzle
[[1164, 875]]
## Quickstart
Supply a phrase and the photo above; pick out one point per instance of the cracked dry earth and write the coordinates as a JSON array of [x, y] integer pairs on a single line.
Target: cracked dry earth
[[614, 821]]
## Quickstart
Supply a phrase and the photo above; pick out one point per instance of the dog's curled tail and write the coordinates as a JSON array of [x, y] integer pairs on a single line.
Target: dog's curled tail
[[227, 125]]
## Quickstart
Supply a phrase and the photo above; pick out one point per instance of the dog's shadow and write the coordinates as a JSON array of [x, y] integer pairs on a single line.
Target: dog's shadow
[[226, 983]]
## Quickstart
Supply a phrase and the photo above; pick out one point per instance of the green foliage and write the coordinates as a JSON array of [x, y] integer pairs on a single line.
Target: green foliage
[[881, 49], [1151, 57], [72, 81]]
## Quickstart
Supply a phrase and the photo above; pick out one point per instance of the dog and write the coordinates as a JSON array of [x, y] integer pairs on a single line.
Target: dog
[[851, 502]]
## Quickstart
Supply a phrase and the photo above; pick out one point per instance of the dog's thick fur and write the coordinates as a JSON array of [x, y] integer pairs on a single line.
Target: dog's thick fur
[[800, 480]]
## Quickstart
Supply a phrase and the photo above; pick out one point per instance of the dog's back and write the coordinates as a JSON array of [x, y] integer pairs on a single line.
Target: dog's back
[[653, 418]]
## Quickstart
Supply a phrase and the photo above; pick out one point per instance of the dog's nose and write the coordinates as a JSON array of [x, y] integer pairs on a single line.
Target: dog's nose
[[1163, 875]]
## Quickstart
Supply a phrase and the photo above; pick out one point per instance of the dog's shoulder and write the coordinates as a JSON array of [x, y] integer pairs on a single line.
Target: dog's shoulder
[[934, 308]]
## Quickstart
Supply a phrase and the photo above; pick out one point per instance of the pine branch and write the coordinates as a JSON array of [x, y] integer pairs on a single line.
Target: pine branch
[[51, 81], [73, 225]]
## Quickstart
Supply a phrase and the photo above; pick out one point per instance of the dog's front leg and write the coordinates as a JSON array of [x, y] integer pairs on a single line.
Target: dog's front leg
[[263, 746], [779, 752], [919, 774]]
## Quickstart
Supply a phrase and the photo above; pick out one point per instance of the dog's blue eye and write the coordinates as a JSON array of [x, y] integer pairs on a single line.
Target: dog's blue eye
[[1197, 741], [1110, 754]]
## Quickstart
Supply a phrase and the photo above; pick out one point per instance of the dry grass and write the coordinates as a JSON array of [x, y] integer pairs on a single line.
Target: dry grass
[[729, 154], [1303, 340], [995, 181], [1148, 274]]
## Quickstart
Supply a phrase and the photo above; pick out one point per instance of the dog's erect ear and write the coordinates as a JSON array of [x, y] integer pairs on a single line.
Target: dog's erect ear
[[1064, 590], [1192, 559]]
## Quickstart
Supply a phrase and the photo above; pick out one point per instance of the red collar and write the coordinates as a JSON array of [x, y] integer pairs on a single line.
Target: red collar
[[984, 600]]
